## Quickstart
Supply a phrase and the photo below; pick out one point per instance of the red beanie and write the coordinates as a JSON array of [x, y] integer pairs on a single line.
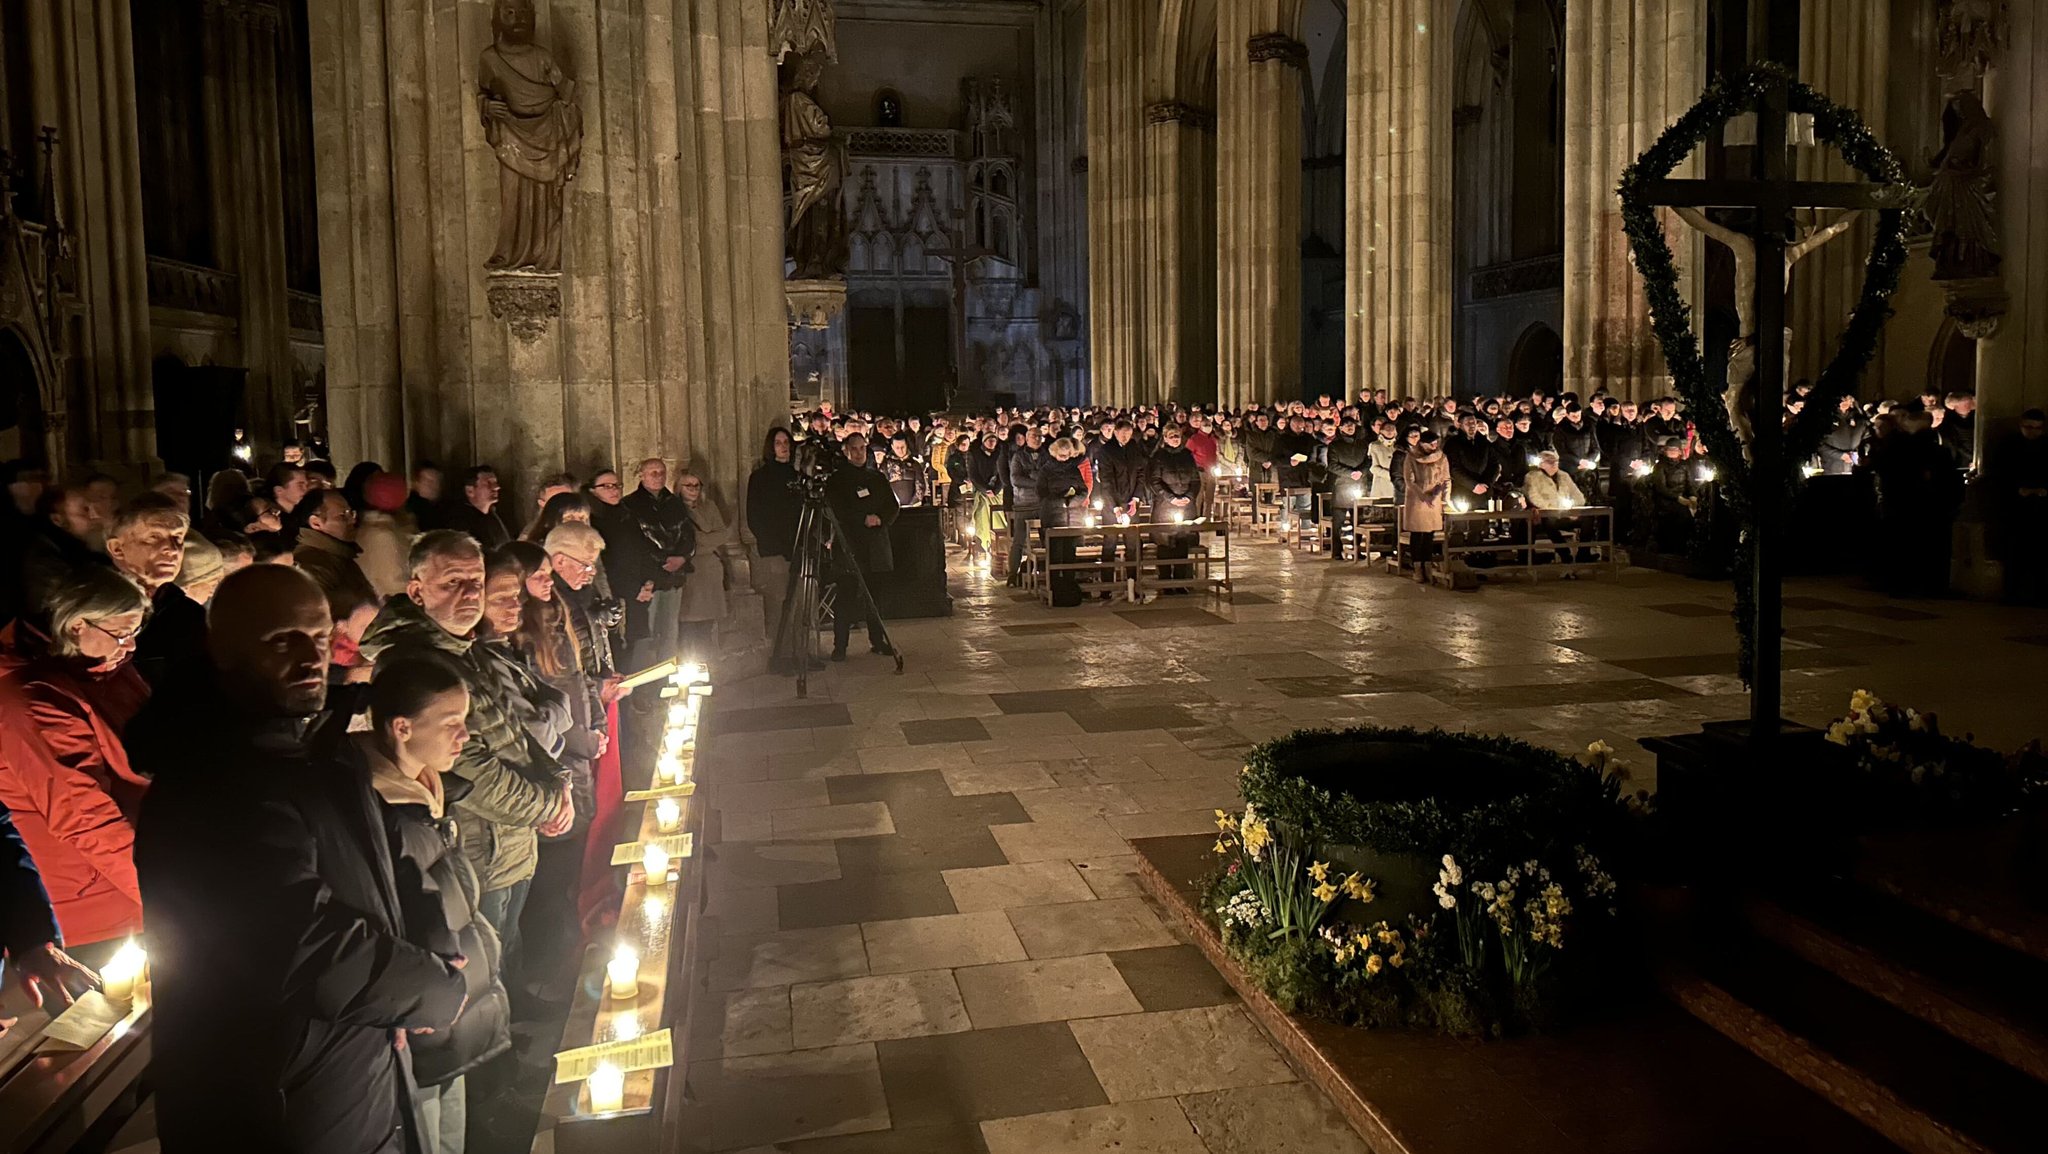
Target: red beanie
[[385, 491]]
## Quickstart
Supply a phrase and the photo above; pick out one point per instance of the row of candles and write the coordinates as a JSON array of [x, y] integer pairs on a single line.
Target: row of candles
[[688, 688]]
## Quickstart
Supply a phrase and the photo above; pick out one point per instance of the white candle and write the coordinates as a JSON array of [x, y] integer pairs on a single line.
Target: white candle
[[656, 861], [672, 742], [607, 1085], [668, 815], [623, 973], [680, 714], [693, 672], [119, 976], [671, 768]]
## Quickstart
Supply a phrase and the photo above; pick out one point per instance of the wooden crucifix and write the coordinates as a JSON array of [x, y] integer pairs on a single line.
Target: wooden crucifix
[[1775, 196], [958, 256]]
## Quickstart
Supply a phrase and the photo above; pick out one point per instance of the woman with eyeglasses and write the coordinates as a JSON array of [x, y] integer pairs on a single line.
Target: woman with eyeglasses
[[65, 697]]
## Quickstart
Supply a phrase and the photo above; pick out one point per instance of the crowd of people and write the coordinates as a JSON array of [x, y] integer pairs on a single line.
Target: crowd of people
[[996, 472], [344, 752]]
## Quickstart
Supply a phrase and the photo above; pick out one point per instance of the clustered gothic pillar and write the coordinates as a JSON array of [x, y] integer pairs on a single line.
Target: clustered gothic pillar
[[1397, 156], [1118, 199], [1631, 68], [1180, 268], [2012, 352], [1844, 51], [664, 333], [1258, 218]]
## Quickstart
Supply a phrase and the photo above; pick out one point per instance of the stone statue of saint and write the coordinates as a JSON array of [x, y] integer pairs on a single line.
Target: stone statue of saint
[[1742, 353], [801, 27], [532, 123], [816, 170], [1958, 202]]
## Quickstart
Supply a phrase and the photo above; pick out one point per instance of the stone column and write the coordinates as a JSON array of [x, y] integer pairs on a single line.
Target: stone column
[[1258, 227], [663, 334], [1180, 269], [2012, 352], [1845, 51], [1631, 68], [84, 85], [1397, 155], [1117, 200]]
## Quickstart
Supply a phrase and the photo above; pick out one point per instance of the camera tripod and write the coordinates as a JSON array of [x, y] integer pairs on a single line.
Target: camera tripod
[[813, 593]]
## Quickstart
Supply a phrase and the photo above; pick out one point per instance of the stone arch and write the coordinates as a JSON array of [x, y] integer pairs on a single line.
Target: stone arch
[[1951, 360], [1537, 361]]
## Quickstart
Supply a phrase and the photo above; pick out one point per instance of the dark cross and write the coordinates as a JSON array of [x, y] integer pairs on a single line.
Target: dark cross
[[958, 256], [1775, 196]]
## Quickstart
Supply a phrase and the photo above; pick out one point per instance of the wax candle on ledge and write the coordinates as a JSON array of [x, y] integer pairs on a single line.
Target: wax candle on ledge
[[693, 672], [668, 815], [622, 973], [671, 768], [672, 742], [607, 1086], [121, 973], [680, 714], [656, 861]]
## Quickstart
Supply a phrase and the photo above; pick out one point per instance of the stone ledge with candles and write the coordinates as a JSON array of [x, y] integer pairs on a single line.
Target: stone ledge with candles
[[617, 1082], [82, 1067]]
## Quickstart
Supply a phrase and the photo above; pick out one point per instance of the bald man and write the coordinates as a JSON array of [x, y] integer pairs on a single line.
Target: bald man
[[281, 975], [667, 540]]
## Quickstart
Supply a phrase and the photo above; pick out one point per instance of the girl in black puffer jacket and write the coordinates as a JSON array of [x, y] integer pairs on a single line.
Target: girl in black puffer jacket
[[417, 706]]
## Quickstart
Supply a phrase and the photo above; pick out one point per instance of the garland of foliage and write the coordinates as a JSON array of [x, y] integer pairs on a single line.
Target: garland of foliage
[[1671, 318], [1565, 799]]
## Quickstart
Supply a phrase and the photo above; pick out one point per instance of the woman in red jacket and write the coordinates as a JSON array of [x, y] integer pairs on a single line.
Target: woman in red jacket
[[64, 699]]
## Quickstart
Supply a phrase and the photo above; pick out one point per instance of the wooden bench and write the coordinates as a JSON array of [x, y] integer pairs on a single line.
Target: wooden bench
[[1123, 558], [1520, 542]]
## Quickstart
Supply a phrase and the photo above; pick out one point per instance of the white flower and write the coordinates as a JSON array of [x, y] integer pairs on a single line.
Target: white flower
[[1919, 774]]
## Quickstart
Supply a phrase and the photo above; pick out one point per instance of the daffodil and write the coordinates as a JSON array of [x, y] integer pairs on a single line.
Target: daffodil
[[1326, 893], [1373, 963], [1357, 887], [1224, 821], [1221, 847], [1319, 871]]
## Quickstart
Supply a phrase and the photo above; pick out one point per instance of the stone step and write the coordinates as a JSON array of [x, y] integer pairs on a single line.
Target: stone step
[[1976, 992], [1969, 877], [1916, 1085]]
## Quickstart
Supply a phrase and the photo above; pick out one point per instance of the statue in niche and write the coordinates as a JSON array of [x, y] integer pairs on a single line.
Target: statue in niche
[[803, 27], [888, 109], [816, 173], [1957, 203], [1739, 396], [533, 125], [1967, 37]]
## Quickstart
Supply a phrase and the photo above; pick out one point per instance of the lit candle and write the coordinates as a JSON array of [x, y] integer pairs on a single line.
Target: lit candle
[[694, 672], [623, 973], [1179, 516], [680, 714], [675, 741], [607, 1086], [668, 815], [670, 768], [119, 976], [656, 861]]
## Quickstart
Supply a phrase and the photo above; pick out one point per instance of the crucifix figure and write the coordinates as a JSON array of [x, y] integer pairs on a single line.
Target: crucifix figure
[[958, 255], [1742, 373]]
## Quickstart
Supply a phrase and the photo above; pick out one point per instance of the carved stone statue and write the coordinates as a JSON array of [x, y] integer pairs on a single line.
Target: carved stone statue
[[1958, 202], [532, 123], [1742, 352], [816, 168], [1967, 37], [802, 27]]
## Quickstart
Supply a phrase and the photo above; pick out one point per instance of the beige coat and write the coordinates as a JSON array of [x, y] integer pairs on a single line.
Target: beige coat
[[704, 591], [385, 539], [1428, 480], [1551, 491]]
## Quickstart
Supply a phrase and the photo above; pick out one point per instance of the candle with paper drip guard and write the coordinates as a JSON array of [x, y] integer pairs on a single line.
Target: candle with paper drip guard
[[682, 713], [118, 978], [607, 1086], [692, 673], [672, 769], [622, 974], [668, 815], [656, 862], [676, 742]]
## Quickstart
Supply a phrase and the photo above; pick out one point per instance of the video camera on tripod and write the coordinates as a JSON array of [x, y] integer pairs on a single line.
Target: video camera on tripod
[[822, 569]]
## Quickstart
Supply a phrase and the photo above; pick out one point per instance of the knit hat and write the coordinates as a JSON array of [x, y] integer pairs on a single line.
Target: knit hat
[[384, 491], [203, 563]]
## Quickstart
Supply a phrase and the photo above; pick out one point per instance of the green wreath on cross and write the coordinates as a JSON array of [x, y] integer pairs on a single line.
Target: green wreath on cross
[[1671, 317]]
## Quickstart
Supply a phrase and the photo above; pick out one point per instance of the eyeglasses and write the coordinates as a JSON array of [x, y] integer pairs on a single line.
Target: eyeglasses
[[607, 485], [564, 561], [120, 640]]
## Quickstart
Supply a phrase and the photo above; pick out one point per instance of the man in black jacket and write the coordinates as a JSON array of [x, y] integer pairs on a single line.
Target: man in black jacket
[[477, 513], [1577, 445], [1346, 461], [147, 543], [774, 507], [860, 497], [1475, 471], [283, 984], [1027, 457], [668, 538], [1173, 483]]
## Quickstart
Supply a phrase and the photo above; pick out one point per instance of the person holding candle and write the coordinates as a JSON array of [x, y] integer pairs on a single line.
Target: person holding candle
[[418, 707], [280, 973]]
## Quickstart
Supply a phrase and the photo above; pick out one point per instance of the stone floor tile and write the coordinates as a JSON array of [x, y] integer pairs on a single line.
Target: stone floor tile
[[1050, 748], [1153, 1055], [756, 796], [1075, 802], [822, 823], [1058, 840], [752, 865], [1214, 790], [1044, 990], [863, 897], [913, 758], [1176, 977], [751, 1022], [1089, 927], [1169, 824], [943, 730], [999, 887], [985, 1074], [1030, 726], [949, 1137], [743, 827], [785, 1097], [773, 718], [1111, 877], [941, 942], [1154, 1127], [752, 961], [973, 778], [924, 846], [1283, 1119], [869, 1009]]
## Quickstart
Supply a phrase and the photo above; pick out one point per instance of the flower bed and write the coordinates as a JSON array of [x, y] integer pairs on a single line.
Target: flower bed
[[1907, 767], [1435, 880]]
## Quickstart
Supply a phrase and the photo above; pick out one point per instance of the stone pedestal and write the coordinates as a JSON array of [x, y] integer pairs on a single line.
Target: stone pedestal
[[1397, 156], [817, 343], [1631, 68], [1258, 218]]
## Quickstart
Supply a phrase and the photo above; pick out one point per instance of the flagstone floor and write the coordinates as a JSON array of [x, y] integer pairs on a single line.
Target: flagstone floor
[[924, 932]]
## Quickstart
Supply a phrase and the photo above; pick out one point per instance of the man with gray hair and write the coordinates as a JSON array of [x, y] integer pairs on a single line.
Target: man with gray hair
[[146, 541], [668, 539]]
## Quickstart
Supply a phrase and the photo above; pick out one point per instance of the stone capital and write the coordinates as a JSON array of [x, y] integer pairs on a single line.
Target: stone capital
[[1179, 112], [1978, 305], [1277, 46], [525, 302]]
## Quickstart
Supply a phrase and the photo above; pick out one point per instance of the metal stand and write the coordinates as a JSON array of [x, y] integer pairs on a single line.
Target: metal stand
[[812, 597]]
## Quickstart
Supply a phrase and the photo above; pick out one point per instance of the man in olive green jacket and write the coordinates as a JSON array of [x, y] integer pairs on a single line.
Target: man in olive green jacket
[[517, 791]]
